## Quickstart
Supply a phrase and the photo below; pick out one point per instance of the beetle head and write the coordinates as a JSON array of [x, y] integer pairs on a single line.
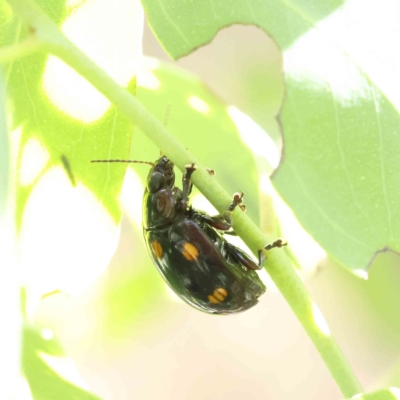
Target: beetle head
[[161, 175]]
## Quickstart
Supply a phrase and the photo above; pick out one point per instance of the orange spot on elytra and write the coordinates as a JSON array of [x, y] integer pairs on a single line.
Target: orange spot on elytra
[[212, 299], [218, 296], [222, 291], [190, 252], [156, 246]]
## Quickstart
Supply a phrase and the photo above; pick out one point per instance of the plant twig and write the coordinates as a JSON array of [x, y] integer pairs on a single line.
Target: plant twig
[[278, 264], [15, 51]]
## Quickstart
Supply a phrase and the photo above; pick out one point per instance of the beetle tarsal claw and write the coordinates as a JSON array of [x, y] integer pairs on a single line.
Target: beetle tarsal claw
[[237, 197], [263, 253], [277, 243], [191, 166]]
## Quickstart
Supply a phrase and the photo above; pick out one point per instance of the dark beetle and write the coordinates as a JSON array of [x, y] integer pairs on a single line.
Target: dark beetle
[[189, 249]]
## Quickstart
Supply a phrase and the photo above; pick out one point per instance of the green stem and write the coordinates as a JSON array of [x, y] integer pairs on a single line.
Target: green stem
[[11, 53], [278, 265]]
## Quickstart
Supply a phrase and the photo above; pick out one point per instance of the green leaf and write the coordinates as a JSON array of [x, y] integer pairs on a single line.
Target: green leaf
[[69, 142], [339, 118], [6, 17], [181, 27], [341, 136], [64, 203], [44, 381], [201, 121], [339, 173], [383, 394], [284, 276], [4, 147]]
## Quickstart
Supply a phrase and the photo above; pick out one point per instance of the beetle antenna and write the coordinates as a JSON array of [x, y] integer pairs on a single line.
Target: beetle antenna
[[124, 161]]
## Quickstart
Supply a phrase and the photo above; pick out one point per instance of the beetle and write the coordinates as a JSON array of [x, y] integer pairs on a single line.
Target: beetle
[[189, 249]]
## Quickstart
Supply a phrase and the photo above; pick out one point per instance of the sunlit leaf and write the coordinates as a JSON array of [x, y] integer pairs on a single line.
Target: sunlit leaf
[[184, 26], [4, 147], [67, 209], [341, 132], [49, 373], [340, 113], [69, 120], [201, 120], [9, 344]]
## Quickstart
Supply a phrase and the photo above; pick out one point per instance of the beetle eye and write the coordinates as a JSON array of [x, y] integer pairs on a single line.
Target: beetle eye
[[155, 181]]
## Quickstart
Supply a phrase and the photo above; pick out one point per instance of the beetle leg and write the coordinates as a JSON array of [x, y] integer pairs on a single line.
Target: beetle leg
[[232, 233], [239, 256], [263, 253], [244, 268], [187, 185], [237, 201], [223, 222], [216, 221]]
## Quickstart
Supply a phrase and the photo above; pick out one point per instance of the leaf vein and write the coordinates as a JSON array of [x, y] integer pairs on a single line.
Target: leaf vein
[[383, 175], [175, 26], [343, 159], [322, 212]]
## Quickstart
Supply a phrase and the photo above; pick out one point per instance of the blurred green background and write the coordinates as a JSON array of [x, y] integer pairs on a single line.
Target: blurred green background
[[127, 335], [131, 338]]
